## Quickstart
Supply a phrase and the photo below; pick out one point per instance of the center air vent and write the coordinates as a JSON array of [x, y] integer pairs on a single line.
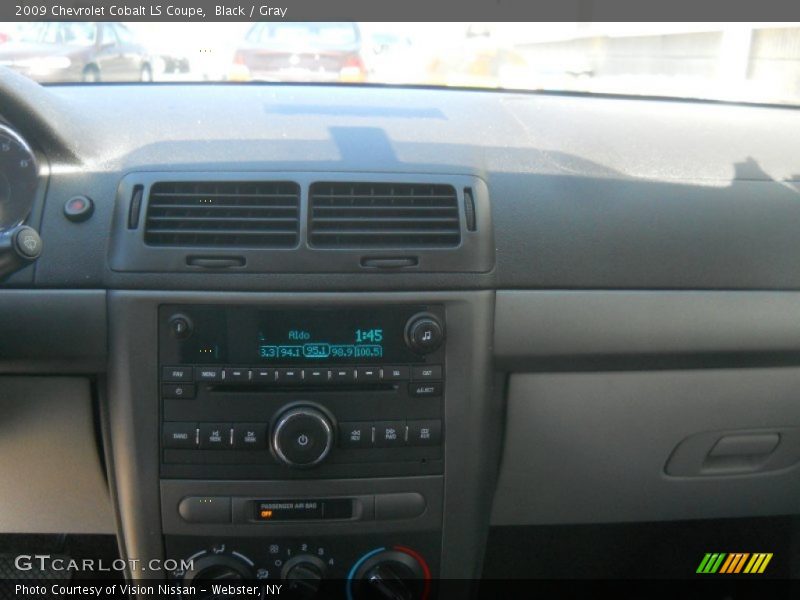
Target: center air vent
[[262, 214], [383, 215]]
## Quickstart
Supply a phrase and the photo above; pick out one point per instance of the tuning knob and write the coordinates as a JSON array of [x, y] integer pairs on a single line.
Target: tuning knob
[[397, 574], [304, 575], [302, 436], [424, 333]]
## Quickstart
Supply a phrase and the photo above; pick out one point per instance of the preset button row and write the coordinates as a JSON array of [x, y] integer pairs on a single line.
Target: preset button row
[[390, 434], [253, 436], [215, 436], [343, 374]]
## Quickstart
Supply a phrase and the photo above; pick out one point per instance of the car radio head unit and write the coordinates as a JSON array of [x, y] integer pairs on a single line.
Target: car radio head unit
[[286, 392]]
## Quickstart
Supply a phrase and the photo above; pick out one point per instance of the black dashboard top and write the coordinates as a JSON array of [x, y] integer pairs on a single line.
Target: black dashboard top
[[585, 192]]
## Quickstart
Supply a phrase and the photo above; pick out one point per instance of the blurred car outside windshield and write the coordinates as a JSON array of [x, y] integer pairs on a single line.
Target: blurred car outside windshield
[[300, 52], [60, 52]]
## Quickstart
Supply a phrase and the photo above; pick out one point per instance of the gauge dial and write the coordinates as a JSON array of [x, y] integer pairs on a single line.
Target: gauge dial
[[18, 179]]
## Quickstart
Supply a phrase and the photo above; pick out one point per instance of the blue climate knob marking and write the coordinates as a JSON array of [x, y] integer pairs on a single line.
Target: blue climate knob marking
[[352, 572]]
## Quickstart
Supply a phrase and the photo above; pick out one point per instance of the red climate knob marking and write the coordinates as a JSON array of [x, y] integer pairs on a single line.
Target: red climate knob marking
[[426, 571]]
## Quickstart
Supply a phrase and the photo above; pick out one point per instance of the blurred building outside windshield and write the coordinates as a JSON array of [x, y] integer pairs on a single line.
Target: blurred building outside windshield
[[749, 62]]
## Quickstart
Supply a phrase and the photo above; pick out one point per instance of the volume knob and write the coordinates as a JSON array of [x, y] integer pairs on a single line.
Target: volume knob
[[302, 436]]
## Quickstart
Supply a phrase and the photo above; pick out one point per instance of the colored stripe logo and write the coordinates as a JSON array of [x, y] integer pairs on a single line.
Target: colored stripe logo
[[734, 563]]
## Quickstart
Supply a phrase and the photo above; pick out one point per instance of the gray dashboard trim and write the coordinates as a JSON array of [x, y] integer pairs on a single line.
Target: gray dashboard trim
[[50, 470], [592, 447], [53, 331], [534, 325]]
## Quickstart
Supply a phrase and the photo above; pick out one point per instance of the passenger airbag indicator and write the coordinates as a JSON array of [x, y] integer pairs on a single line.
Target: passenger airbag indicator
[[296, 510]]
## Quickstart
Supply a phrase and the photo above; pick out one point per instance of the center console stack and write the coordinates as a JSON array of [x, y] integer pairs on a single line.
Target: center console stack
[[304, 443]]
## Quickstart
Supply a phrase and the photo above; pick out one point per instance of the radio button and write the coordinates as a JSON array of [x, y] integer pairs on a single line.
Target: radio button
[[424, 433], [355, 435], [236, 375], [180, 326], [424, 333], [178, 390], [264, 375], [207, 374], [316, 375], [395, 373], [367, 374], [290, 375], [215, 436], [179, 435], [249, 436], [425, 390], [175, 374], [406, 505], [389, 434], [205, 509], [343, 375], [426, 372]]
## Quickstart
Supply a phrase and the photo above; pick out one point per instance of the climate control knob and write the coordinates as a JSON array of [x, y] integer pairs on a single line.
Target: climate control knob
[[304, 575], [424, 333], [302, 436], [398, 573], [217, 568]]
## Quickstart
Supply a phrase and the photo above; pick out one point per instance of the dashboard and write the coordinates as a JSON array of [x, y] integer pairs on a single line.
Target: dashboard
[[308, 333]]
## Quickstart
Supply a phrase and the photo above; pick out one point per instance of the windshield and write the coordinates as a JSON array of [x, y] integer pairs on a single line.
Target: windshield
[[81, 34], [743, 62]]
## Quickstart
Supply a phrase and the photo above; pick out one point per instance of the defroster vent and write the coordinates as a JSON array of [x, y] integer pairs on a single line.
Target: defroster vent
[[383, 215], [262, 214]]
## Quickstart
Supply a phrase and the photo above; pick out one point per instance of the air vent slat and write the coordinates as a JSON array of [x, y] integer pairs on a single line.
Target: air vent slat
[[416, 209], [171, 195], [220, 206], [391, 220], [228, 213], [443, 232], [218, 231], [381, 198], [390, 215], [254, 220]]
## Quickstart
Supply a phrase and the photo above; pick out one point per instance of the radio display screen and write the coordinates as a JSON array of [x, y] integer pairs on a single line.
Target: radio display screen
[[334, 337], [249, 335]]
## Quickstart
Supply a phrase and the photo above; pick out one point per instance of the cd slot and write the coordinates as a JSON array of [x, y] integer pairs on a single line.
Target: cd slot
[[288, 388]]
